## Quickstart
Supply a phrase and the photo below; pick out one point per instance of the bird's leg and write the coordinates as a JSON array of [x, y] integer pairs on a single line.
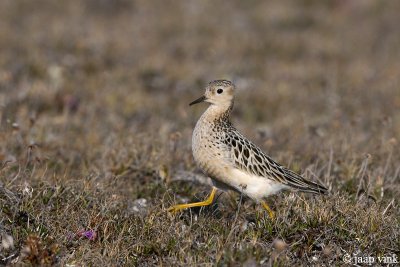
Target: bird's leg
[[270, 212], [206, 202]]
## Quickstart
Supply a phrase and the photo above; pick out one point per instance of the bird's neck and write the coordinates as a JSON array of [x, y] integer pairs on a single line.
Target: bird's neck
[[216, 113]]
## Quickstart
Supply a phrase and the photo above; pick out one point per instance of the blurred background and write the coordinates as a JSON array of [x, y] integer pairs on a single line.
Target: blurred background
[[128, 67], [97, 92], [90, 71]]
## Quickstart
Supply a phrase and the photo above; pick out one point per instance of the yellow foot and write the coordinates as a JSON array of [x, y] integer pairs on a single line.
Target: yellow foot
[[270, 212], [206, 202]]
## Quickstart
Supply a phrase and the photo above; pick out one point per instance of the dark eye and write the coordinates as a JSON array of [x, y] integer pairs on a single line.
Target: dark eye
[[219, 91]]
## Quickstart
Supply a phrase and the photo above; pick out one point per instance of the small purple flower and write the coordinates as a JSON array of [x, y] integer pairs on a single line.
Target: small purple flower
[[89, 234]]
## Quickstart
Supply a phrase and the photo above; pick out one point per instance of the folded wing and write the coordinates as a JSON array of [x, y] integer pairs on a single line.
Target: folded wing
[[247, 157]]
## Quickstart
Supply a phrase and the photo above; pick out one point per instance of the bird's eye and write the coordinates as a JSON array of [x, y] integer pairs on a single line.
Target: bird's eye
[[219, 91]]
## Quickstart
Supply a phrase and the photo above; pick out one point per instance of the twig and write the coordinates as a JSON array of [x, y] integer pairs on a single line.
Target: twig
[[386, 209], [232, 228]]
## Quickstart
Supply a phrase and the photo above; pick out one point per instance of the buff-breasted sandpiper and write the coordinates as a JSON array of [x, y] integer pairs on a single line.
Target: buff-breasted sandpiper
[[231, 160]]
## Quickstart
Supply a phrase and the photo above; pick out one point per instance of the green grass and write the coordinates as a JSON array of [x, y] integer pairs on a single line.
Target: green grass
[[95, 130]]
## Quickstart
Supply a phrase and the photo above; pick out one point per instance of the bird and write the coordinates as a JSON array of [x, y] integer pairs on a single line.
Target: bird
[[231, 160]]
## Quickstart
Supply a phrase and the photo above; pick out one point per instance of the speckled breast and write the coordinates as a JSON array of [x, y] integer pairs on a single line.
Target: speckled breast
[[209, 151]]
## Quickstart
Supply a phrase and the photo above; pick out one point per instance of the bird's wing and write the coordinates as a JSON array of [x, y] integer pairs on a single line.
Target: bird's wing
[[247, 157]]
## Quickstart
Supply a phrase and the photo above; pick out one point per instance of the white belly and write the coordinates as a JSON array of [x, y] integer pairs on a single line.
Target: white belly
[[253, 186]]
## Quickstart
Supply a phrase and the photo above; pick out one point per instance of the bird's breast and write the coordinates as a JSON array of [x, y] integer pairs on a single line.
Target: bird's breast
[[209, 150]]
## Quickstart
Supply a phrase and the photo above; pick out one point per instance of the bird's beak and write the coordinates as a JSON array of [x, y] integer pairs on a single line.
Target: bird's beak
[[198, 100]]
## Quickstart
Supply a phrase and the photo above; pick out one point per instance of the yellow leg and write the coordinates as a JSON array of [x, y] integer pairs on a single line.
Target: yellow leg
[[206, 202], [270, 212]]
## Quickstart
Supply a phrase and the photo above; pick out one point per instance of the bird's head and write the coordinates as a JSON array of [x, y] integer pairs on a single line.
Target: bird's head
[[219, 93]]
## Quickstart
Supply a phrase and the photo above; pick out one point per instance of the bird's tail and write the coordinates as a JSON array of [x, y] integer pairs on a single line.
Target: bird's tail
[[300, 183]]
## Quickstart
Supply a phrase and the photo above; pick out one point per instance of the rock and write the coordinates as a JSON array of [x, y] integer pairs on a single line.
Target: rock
[[138, 207], [7, 242]]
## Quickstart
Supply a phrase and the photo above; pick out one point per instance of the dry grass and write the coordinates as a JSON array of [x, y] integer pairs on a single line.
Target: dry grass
[[95, 129]]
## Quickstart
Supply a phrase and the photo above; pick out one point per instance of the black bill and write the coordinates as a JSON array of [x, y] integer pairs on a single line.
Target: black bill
[[198, 100]]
